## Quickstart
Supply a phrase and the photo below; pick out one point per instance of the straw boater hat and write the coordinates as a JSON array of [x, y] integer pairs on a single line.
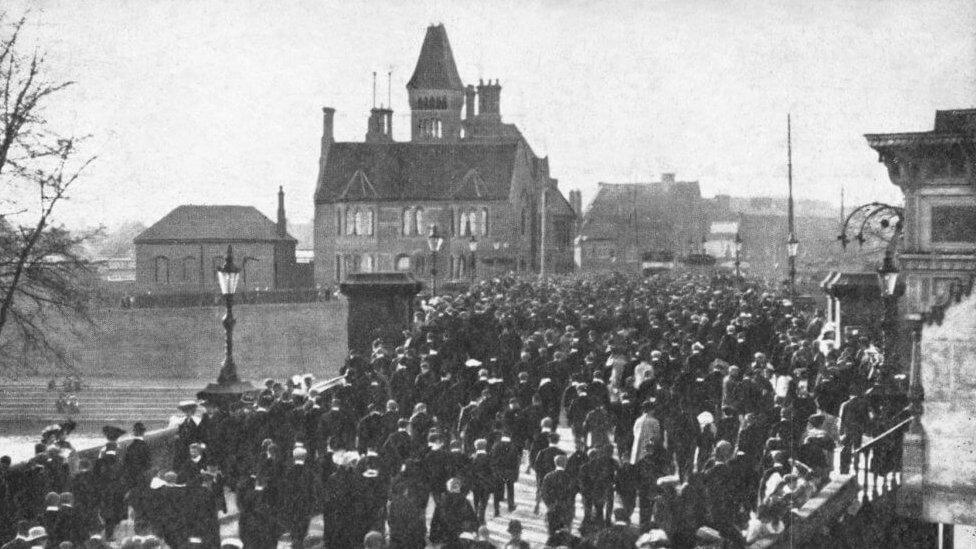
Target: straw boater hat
[[187, 405]]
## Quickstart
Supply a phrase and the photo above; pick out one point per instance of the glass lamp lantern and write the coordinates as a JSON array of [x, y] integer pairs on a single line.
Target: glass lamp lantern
[[792, 246], [434, 239], [888, 276], [228, 274]]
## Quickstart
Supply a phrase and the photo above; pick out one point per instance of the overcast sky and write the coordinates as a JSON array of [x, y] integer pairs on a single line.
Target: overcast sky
[[220, 102]]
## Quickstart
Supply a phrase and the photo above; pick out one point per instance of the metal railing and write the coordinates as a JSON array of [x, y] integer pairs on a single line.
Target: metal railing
[[877, 463]]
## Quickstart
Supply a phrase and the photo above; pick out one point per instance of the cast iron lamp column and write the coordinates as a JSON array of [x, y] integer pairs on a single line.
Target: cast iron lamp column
[[434, 243], [792, 247], [473, 248], [228, 276], [888, 283]]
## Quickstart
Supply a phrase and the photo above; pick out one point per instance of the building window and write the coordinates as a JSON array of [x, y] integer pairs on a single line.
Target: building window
[[161, 268], [419, 221], [366, 263], [338, 267], [465, 226], [350, 219], [953, 224], [187, 269], [338, 221], [409, 223], [402, 262], [420, 263], [484, 221], [360, 223]]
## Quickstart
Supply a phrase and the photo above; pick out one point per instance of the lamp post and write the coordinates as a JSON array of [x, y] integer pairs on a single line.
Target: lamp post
[[473, 248], [434, 243], [888, 284], [792, 247], [738, 255], [229, 386]]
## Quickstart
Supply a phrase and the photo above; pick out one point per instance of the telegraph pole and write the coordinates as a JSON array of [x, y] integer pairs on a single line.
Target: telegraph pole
[[792, 244]]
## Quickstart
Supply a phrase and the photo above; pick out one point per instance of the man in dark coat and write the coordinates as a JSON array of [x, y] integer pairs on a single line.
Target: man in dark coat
[[406, 517], [369, 431], [192, 429], [258, 524], [452, 516], [299, 496], [135, 467], [70, 524], [482, 479], [596, 480], [505, 461], [559, 494], [395, 449], [338, 491], [544, 464], [111, 483], [437, 464], [84, 486]]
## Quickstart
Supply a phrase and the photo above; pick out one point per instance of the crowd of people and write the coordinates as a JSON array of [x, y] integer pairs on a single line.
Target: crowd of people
[[696, 406]]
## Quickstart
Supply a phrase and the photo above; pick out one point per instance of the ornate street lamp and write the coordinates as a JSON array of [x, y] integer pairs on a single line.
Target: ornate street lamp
[[434, 243], [228, 385], [888, 284], [473, 248]]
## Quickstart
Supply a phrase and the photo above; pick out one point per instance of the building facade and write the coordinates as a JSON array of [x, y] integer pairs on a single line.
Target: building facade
[[625, 221], [475, 177], [180, 253], [935, 171]]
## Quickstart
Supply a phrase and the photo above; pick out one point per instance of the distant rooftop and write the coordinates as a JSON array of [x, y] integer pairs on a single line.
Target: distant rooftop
[[212, 223]]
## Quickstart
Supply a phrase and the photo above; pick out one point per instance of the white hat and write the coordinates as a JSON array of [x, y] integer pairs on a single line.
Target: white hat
[[472, 363], [705, 418]]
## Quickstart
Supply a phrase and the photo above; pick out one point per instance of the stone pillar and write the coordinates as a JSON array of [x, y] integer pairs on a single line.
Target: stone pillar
[[380, 306]]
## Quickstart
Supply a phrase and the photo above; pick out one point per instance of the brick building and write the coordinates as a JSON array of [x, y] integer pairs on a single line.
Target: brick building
[[181, 252], [474, 177], [627, 220]]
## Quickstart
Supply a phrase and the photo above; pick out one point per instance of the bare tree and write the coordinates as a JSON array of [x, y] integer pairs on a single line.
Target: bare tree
[[42, 272]]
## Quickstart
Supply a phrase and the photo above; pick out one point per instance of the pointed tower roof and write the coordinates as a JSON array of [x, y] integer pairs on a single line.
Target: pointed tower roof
[[435, 67]]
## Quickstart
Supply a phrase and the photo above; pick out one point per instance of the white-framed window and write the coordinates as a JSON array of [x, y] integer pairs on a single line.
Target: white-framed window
[[402, 263], [366, 263]]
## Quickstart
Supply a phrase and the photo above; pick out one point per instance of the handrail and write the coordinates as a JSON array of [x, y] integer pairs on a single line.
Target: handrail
[[884, 437]]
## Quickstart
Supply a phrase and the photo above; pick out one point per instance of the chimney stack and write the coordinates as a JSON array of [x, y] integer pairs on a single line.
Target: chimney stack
[[469, 98], [328, 117], [576, 201], [380, 125], [282, 226], [667, 178]]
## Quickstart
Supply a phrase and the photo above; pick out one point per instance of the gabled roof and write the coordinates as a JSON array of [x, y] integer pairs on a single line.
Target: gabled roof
[[472, 187], [359, 188], [212, 223], [417, 171], [652, 209], [435, 66]]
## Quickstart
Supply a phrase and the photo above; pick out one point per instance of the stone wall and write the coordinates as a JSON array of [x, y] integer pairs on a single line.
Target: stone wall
[[941, 474], [271, 340]]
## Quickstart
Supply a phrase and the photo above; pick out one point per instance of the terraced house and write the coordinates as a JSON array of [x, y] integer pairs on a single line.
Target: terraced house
[[475, 177]]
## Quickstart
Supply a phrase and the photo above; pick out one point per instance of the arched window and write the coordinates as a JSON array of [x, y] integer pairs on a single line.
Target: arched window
[[419, 226], [484, 221], [402, 263], [465, 226], [161, 270], [369, 221]]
